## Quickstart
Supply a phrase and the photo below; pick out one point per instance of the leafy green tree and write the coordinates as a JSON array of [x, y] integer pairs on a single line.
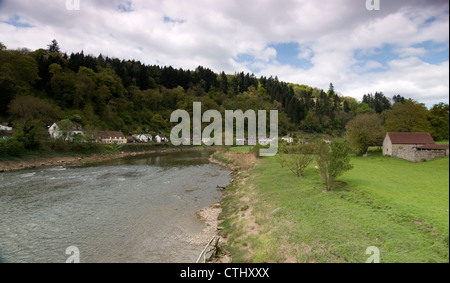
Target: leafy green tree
[[365, 130], [332, 160], [409, 116], [18, 75], [439, 120], [378, 102], [66, 127], [398, 99], [26, 109]]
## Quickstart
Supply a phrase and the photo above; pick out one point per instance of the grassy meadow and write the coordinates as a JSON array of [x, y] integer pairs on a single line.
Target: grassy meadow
[[402, 208]]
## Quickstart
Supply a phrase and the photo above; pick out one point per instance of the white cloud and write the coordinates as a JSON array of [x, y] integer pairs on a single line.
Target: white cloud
[[211, 33]]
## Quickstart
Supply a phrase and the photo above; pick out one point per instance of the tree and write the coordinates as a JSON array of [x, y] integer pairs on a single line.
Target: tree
[[439, 120], [398, 99], [297, 158], [365, 130], [332, 160], [378, 102], [66, 128], [26, 109], [54, 47], [409, 116], [18, 75]]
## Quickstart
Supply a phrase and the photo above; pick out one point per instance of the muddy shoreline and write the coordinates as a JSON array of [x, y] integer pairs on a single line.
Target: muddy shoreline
[[33, 163]]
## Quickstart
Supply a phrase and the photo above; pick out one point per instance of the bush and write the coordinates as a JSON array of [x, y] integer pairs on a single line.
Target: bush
[[3, 148], [59, 145], [332, 160], [11, 147], [85, 147], [297, 157]]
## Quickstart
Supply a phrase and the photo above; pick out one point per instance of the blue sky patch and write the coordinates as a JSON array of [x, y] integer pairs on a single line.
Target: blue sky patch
[[288, 54], [436, 52], [125, 6], [173, 21], [248, 60], [17, 22], [381, 55], [428, 51]]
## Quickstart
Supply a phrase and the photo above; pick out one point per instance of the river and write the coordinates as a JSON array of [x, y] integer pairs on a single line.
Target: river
[[130, 210]]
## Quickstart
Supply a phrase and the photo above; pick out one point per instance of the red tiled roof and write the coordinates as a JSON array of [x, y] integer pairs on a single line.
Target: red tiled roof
[[411, 138], [434, 146], [111, 134]]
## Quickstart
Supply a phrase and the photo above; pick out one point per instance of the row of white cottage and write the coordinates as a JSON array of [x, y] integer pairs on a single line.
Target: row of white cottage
[[107, 137]]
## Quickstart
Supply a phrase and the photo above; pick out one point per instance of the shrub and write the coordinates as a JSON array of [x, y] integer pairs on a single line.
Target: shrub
[[297, 158], [84, 147], [15, 148], [3, 147], [332, 160]]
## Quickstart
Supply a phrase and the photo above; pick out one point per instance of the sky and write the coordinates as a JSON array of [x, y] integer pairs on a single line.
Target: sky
[[361, 46]]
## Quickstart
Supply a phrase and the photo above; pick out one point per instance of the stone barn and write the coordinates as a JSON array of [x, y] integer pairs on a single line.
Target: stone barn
[[413, 147]]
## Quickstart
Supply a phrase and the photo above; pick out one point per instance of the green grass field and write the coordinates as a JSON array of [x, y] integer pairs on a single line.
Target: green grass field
[[401, 208]]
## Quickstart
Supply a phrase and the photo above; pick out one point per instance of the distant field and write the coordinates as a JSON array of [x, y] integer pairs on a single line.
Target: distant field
[[401, 208]]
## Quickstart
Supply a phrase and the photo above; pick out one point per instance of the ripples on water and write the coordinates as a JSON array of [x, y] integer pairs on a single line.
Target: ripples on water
[[138, 209]]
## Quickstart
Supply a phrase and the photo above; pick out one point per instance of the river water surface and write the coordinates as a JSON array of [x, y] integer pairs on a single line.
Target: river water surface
[[140, 209]]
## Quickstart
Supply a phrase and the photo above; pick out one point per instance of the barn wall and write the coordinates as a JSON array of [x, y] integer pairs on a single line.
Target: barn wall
[[420, 155]]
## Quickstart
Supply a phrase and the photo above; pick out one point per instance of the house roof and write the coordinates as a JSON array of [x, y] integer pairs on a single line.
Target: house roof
[[434, 146], [111, 134], [410, 138]]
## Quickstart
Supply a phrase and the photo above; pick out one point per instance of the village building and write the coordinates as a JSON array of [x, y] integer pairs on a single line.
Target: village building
[[56, 132], [112, 137], [5, 131], [161, 138], [143, 138], [414, 147], [287, 139]]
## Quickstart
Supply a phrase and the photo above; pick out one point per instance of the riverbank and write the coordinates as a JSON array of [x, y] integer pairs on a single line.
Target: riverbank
[[270, 215], [39, 162], [238, 162]]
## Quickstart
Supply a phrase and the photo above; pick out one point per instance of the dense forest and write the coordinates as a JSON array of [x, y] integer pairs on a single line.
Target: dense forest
[[43, 86]]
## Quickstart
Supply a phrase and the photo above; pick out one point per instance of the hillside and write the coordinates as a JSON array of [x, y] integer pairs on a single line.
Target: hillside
[[43, 86]]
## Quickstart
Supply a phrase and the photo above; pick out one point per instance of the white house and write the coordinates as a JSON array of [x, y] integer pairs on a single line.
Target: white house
[[287, 139], [56, 133], [4, 128], [161, 138], [265, 141], [240, 141], [145, 138]]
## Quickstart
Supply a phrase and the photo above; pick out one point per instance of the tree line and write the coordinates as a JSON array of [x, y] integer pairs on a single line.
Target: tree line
[[43, 86]]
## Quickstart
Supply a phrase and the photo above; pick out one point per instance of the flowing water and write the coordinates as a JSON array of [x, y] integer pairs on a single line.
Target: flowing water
[[140, 209]]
